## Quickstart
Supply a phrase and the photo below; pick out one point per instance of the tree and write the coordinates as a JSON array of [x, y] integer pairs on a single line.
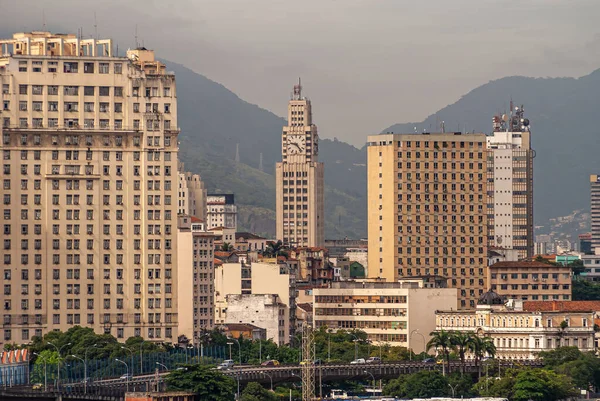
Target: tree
[[208, 383], [560, 356], [441, 340], [461, 343], [542, 385], [226, 247], [275, 248], [425, 384], [501, 387], [582, 368], [255, 392], [480, 347], [584, 290]]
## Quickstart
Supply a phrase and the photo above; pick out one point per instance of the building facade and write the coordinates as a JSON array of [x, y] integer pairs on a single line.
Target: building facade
[[518, 332], [530, 281], [266, 311], [510, 184], [89, 153], [300, 209], [195, 289], [595, 210], [221, 211], [427, 209], [191, 194], [387, 312], [254, 278]]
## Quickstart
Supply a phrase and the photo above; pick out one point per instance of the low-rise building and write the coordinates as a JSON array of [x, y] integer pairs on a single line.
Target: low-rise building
[[313, 265], [245, 330], [250, 242], [195, 284], [530, 280], [520, 330], [254, 278], [221, 211], [591, 265], [387, 311], [263, 310]]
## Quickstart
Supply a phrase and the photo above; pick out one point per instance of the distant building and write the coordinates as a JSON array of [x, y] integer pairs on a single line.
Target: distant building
[[353, 250], [195, 287], [250, 242], [520, 330], [263, 310], [530, 280], [388, 312], [510, 183], [300, 182], [595, 210], [221, 211], [191, 194], [591, 264], [313, 265], [585, 244], [245, 330]]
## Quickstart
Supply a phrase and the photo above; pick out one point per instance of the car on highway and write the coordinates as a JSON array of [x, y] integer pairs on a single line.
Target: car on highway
[[37, 386], [126, 377], [358, 361], [315, 362], [226, 364], [270, 362], [374, 359], [429, 360]]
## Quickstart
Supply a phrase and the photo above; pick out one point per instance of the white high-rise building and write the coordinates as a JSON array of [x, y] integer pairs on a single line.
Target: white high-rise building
[[221, 211], [510, 184]]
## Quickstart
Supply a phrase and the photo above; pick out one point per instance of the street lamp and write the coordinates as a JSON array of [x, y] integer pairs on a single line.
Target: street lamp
[[416, 331], [126, 373], [164, 366], [328, 345], [239, 349], [142, 357], [270, 377], [355, 348], [59, 350], [453, 388], [84, 373], [45, 371], [369, 373], [230, 344], [130, 351]]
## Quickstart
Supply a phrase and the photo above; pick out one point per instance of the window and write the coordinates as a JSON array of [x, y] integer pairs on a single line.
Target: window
[[118, 91], [103, 68], [118, 68], [104, 91], [88, 91], [22, 89], [70, 67], [37, 89], [88, 68]]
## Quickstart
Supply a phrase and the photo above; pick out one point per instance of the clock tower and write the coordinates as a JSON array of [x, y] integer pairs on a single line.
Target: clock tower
[[299, 178]]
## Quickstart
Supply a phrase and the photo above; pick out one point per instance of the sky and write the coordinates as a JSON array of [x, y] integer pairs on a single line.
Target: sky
[[365, 64]]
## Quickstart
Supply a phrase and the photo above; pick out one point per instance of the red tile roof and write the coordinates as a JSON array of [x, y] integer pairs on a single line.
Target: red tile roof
[[561, 306], [196, 220]]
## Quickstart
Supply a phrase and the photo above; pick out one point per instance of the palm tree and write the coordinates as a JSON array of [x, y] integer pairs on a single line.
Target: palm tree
[[461, 343], [226, 247], [275, 249], [482, 346], [441, 340]]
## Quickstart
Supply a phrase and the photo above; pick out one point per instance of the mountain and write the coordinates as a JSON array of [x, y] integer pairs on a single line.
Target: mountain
[[214, 121], [565, 133]]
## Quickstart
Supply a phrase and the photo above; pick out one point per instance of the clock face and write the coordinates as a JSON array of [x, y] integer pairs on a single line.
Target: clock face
[[295, 144]]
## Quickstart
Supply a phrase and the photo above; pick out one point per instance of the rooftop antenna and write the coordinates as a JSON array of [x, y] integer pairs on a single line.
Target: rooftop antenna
[[260, 162], [44, 19], [443, 126], [298, 90], [136, 39], [95, 27], [237, 152]]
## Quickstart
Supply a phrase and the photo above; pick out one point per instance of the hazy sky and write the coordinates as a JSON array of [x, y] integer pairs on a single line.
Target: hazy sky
[[366, 64]]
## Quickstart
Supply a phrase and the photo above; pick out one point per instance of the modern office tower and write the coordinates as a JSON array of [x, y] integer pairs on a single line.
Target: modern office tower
[[89, 174], [595, 210], [299, 179], [221, 211], [196, 271], [191, 194], [427, 209], [510, 184]]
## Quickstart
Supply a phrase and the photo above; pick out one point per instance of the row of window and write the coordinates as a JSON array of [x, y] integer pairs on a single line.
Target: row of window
[[88, 123], [120, 333], [75, 259], [151, 303], [70, 67], [69, 90], [75, 274], [88, 107], [107, 140]]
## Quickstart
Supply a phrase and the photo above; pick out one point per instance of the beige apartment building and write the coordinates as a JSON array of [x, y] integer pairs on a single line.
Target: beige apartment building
[[266, 311], [530, 281], [196, 273], [522, 332], [300, 204], [191, 194], [255, 278], [595, 211], [427, 210], [89, 189], [510, 184], [399, 314]]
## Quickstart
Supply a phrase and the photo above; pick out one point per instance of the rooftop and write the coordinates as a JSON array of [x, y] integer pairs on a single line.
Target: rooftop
[[561, 306], [524, 263], [241, 326]]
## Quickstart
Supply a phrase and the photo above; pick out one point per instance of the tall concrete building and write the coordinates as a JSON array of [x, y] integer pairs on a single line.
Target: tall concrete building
[[427, 209], [89, 153], [191, 194], [299, 178], [221, 211], [196, 273], [510, 184], [595, 210]]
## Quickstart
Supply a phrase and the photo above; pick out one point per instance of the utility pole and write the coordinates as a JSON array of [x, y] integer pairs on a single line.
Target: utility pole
[[308, 369]]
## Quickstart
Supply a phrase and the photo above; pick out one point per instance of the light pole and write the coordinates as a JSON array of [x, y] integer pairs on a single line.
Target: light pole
[[239, 349], [270, 377], [230, 344], [260, 351], [453, 388], [416, 331], [131, 352], [164, 366], [369, 373], [86, 351], [45, 371], [328, 345], [59, 357], [126, 373], [355, 348], [142, 357], [84, 373]]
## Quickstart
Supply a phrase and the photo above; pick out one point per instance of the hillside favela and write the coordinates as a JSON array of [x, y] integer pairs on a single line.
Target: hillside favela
[[215, 200]]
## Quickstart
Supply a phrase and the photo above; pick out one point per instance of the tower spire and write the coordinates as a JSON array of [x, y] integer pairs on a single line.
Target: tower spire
[[298, 90]]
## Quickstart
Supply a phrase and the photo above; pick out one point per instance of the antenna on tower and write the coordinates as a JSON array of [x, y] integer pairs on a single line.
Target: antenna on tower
[[136, 40], [260, 162], [95, 27], [237, 152], [298, 90], [44, 19]]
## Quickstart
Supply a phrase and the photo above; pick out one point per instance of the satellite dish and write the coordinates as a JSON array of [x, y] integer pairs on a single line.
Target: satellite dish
[[525, 122], [504, 117]]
